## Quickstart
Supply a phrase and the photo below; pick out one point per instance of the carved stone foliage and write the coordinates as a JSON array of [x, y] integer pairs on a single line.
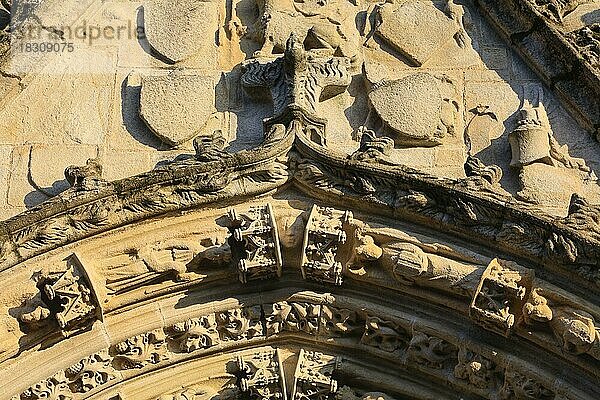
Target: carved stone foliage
[[385, 335], [500, 296], [587, 41], [88, 374], [520, 387], [256, 250], [66, 299], [322, 239], [556, 10], [431, 351], [261, 375], [477, 370], [194, 334], [292, 317], [240, 323], [313, 377], [140, 350]]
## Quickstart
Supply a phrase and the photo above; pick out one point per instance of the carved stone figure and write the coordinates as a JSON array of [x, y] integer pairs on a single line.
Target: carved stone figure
[[67, 299], [298, 79], [86, 177], [256, 250], [478, 370]]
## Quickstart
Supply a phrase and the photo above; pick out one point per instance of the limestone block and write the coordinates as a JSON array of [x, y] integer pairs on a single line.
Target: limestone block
[[178, 29], [118, 164], [548, 185], [411, 106], [177, 106], [415, 29]]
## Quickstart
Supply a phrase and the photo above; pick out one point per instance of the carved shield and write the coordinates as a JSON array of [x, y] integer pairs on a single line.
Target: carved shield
[[176, 106], [186, 29]]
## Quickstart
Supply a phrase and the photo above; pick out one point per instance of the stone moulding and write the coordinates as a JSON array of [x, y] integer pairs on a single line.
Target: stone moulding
[[469, 208], [542, 43], [427, 348]]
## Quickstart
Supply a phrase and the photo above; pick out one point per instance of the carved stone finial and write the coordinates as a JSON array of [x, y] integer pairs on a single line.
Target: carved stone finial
[[500, 296], [313, 378]]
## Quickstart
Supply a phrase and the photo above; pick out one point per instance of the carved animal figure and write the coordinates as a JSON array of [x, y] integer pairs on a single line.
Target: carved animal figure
[[84, 176]]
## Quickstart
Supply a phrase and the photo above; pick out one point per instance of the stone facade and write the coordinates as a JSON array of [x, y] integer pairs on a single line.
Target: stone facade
[[303, 199]]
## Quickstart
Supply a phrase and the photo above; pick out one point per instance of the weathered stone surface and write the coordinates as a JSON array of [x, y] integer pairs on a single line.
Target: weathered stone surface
[[323, 218], [415, 28], [191, 97], [411, 107], [173, 28]]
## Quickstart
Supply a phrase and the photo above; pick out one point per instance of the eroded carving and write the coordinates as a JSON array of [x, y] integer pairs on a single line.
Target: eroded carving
[[520, 387], [556, 10], [477, 369], [240, 323], [500, 296], [292, 317], [417, 110], [587, 41], [65, 298], [385, 335], [85, 177], [431, 351], [193, 334]]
